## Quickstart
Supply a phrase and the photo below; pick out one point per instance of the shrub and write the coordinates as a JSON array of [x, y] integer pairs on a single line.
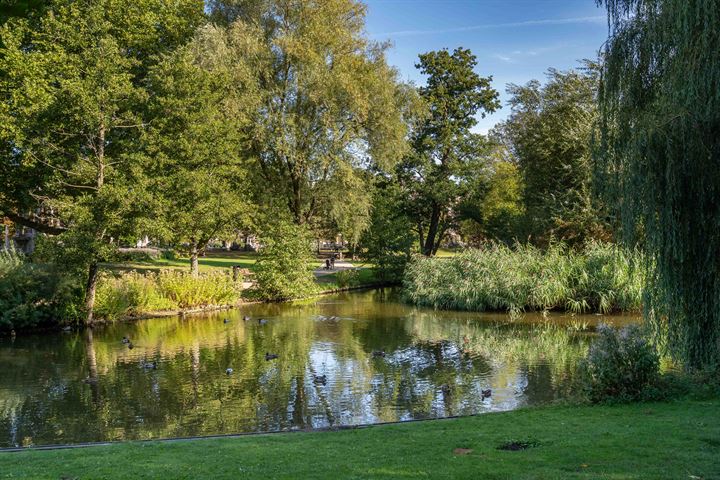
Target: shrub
[[348, 278], [36, 295], [285, 265], [600, 278], [621, 365]]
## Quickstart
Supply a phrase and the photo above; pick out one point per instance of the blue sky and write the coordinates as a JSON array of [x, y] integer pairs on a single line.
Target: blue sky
[[514, 40]]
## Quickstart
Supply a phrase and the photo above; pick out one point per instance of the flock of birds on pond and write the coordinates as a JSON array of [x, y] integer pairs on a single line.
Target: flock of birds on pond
[[318, 379]]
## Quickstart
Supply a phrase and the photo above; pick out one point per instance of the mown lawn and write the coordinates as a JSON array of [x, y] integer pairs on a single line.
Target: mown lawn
[[677, 440], [207, 264]]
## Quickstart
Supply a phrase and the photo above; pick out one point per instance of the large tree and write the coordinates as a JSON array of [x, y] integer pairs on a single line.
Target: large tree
[[659, 153], [446, 154], [331, 105], [203, 95], [71, 107], [548, 134]]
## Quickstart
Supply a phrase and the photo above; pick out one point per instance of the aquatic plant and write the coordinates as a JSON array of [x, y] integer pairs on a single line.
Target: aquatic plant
[[136, 293], [600, 278]]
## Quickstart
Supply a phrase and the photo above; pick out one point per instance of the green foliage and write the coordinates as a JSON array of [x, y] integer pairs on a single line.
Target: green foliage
[[548, 134], [622, 365], [600, 278], [330, 104], [72, 101], [658, 155], [499, 212], [203, 95], [134, 293], [446, 155], [35, 296], [348, 278], [388, 242], [284, 268]]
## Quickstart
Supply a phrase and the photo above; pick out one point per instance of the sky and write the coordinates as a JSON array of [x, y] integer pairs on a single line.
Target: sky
[[514, 40]]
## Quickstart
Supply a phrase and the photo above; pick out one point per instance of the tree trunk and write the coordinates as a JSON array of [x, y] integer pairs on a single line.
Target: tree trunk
[[194, 252], [432, 232], [90, 288]]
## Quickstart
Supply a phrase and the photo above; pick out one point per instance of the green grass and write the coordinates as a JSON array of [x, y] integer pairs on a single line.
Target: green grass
[[214, 262], [679, 440]]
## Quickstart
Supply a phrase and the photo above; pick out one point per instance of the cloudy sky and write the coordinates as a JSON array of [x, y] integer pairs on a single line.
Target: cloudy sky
[[514, 40]]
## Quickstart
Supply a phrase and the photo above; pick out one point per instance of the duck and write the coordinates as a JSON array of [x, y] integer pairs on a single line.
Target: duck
[[445, 388], [125, 340], [270, 356], [246, 318], [130, 345], [262, 321], [321, 379], [228, 371], [226, 321], [378, 353], [485, 393]]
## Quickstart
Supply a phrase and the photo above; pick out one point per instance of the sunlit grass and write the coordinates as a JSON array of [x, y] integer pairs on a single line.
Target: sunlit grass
[[638, 441]]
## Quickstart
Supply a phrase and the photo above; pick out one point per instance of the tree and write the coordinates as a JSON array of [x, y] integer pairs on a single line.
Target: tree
[[285, 266], [548, 133], [658, 156], [445, 155], [389, 239], [331, 105], [498, 210], [202, 97], [71, 104]]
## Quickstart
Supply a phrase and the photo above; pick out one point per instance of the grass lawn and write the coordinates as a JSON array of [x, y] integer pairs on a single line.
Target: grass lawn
[[209, 263], [677, 440]]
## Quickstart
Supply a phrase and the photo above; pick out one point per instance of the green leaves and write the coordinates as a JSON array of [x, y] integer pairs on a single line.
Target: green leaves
[[548, 134], [446, 156], [657, 156]]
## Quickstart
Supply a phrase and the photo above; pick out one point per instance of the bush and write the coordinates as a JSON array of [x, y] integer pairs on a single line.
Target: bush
[[621, 366], [134, 293], [36, 295], [600, 278], [348, 278], [284, 268]]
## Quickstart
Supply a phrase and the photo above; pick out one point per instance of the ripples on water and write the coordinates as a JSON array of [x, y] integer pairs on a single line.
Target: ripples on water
[[89, 386]]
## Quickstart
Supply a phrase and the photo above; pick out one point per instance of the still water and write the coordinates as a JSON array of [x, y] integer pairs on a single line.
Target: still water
[[330, 371]]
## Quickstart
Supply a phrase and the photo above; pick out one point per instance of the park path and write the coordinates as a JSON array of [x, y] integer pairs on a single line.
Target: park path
[[340, 265]]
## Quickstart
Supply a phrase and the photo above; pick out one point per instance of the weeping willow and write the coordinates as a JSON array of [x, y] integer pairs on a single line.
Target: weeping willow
[[659, 158]]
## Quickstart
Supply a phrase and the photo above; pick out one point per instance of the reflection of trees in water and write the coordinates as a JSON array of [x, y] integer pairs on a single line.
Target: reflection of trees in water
[[190, 394]]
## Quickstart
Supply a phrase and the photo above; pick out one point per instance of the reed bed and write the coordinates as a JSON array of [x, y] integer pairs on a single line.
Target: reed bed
[[599, 278], [133, 293]]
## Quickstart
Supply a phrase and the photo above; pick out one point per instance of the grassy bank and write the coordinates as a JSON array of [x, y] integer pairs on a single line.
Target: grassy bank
[[601, 278], [638, 441]]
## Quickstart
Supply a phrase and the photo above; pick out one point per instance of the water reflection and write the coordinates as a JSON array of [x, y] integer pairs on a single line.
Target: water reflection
[[90, 386]]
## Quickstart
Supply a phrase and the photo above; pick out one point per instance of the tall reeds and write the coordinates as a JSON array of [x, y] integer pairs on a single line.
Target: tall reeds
[[600, 278], [133, 293]]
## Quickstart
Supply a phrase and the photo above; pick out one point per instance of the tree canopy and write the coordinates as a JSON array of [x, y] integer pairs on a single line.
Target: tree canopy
[[446, 155], [658, 156]]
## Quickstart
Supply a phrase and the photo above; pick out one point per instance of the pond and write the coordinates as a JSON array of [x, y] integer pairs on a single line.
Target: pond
[[330, 370]]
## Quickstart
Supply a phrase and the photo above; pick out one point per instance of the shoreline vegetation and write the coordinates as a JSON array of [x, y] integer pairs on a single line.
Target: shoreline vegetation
[[599, 278], [675, 439]]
